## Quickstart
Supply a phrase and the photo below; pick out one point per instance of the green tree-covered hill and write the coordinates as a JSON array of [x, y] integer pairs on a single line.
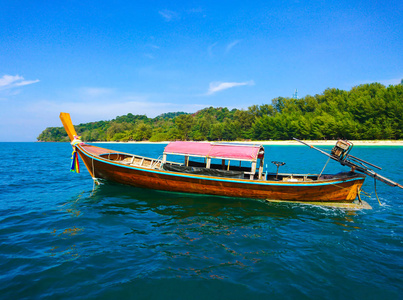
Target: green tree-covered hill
[[366, 112]]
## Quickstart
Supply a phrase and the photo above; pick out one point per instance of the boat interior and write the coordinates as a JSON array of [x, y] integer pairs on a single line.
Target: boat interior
[[218, 170], [133, 160]]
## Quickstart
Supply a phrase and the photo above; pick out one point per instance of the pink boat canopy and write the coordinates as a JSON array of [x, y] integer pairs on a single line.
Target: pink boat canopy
[[247, 152]]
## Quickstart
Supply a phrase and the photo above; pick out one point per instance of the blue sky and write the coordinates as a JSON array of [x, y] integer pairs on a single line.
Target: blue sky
[[100, 59]]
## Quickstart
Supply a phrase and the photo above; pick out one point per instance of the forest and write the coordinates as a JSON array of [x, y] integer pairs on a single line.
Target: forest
[[366, 112]]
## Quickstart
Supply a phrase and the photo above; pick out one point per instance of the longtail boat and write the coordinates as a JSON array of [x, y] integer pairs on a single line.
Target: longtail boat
[[201, 174]]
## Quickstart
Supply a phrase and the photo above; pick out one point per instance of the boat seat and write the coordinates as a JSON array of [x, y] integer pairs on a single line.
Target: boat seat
[[251, 175]]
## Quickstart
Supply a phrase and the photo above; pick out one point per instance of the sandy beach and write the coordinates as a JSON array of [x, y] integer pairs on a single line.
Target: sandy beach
[[294, 143], [333, 142]]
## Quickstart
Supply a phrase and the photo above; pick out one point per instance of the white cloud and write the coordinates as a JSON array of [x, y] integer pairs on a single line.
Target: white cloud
[[220, 86], [10, 81], [168, 15], [232, 45]]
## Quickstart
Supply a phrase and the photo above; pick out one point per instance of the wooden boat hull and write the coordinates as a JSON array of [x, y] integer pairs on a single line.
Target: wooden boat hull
[[331, 190]]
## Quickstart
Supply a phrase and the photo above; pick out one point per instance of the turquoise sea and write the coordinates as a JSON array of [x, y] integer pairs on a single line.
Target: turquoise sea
[[61, 238]]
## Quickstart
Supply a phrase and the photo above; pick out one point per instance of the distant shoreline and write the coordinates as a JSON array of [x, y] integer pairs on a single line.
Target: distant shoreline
[[288, 143]]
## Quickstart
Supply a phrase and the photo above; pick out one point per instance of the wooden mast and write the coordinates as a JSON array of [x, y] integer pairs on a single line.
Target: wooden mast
[[68, 125], [71, 132]]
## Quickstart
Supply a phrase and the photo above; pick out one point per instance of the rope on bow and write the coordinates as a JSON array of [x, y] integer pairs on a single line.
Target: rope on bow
[[75, 167]]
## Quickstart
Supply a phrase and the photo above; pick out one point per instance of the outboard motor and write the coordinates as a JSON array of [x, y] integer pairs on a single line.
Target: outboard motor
[[341, 149], [340, 153]]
